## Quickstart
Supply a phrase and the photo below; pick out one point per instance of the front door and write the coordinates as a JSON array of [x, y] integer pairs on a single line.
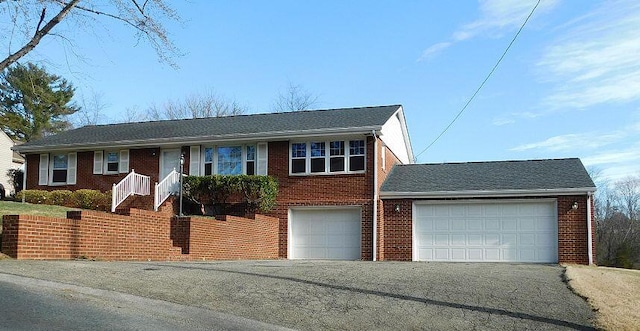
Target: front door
[[169, 160]]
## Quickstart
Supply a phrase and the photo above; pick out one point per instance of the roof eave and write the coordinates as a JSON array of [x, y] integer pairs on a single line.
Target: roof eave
[[274, 135], [486, 193]]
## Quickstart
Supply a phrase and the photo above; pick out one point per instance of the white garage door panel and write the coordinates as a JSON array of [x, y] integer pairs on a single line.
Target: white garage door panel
[[332, 234], [514, 231]]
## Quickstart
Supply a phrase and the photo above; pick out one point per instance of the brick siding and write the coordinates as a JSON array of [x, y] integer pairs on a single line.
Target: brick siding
[[141, 235]]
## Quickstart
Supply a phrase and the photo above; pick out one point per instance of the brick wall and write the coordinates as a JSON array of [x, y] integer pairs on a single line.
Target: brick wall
[[141, 235], [321, 190], [145, 161], [572, 230], [396, 229]]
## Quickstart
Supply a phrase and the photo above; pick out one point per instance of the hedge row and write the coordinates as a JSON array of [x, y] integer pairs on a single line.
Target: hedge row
[[258, 192], [85, 199]]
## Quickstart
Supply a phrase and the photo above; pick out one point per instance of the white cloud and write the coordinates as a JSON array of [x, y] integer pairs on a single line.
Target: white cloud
[[496, 17], [597, 60], [434, 50]]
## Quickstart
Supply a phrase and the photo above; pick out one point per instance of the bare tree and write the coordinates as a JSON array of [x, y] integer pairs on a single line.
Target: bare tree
[[91, 112], [29, 21], [618, 225], [295, 98], [197, 105]]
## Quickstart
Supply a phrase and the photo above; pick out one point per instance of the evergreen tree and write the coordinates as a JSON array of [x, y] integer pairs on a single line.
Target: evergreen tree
[[33, 102]]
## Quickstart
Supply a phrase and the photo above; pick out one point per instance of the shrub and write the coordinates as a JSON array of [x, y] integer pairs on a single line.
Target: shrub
[[85, 199], [61, 198], [34, 196], [258, 192], [15, 178], [91, 199]]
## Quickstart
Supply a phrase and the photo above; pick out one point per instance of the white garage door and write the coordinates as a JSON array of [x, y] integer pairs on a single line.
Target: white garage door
[[332, 234], [513, 231]]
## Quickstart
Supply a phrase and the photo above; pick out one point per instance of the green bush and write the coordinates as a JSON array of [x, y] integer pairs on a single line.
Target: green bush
[[91, 199], [258, 192], [61, 198], [85, 199], [40, 197]]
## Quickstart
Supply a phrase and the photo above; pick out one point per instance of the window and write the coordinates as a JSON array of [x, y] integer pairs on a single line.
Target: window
[[356, 155], [298, 158], [318, 157], [336, 158], [208, 161], [251, 160], [229, 160], [60, 164], [112, 162]]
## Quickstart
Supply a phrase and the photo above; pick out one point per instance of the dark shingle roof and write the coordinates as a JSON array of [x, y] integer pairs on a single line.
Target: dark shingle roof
[[256, 125], [556, 174]]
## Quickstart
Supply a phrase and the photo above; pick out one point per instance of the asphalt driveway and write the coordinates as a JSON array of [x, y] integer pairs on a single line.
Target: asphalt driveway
[[319, 295]]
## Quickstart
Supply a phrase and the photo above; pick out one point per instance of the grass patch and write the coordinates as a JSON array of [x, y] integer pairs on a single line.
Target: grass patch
[[19, 208], [613, 293]]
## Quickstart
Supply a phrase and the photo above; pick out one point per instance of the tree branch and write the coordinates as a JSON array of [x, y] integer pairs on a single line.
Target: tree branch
[[35, 40]]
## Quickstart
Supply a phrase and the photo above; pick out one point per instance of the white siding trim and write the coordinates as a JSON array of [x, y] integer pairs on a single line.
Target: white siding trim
[[262, 159], [194, 161], [124, 161], [97, 162], [72, 165], [43, 173]]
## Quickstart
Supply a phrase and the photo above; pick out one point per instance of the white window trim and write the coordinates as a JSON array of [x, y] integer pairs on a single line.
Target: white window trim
[[105, 166], [347, 157], [214, 158], [72, 165]]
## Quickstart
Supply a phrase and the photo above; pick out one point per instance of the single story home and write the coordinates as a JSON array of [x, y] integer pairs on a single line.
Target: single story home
[[348, 188]]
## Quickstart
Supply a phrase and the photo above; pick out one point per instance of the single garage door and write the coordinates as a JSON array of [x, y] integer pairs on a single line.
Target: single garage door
[[505, 231], [325, 233]]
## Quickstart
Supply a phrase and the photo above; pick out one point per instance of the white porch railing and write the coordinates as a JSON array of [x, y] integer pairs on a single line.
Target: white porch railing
[[166, 187], [132, 184]]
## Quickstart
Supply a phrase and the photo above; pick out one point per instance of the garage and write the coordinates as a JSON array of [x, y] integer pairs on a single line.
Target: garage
[[325, 233], [481, 231]]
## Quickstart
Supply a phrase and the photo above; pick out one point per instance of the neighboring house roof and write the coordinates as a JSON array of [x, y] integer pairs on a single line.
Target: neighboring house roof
[[256, 126], [17, 158], [503, 178]]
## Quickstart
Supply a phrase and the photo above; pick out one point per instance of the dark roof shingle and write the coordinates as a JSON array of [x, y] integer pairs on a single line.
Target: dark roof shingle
[[251, 125], [551, 174]]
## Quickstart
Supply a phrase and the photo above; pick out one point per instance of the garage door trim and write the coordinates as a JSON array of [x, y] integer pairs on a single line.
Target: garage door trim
[[290, 211], [416, 203]]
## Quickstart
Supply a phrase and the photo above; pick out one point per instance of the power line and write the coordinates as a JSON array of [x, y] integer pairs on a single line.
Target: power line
[[483, 82]]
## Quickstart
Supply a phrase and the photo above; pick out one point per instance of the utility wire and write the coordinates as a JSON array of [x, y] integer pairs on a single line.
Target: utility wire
[[483, 82]]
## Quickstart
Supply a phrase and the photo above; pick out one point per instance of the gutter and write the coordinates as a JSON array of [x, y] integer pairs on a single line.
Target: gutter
[[172, 141]]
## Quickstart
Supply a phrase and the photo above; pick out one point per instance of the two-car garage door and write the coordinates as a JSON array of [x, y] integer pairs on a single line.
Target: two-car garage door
[[325, 233], [499, 231]]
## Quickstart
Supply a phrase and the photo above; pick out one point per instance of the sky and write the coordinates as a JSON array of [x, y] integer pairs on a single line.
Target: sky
[[569, 86]]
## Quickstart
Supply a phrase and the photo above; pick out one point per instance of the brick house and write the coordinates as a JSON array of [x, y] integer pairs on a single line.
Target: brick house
[[330, 165]]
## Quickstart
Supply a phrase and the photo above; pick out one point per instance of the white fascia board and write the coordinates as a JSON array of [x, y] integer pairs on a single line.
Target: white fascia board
[[485, 194], [177, 141], [404, 132]]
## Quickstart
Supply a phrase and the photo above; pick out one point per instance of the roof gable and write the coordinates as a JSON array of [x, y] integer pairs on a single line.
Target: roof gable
[[499, 176], [348, 120]]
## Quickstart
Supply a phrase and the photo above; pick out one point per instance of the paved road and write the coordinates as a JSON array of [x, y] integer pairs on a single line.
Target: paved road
[[321, 295]]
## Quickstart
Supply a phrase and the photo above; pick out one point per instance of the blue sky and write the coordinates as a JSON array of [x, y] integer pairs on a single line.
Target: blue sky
[[569, 86]]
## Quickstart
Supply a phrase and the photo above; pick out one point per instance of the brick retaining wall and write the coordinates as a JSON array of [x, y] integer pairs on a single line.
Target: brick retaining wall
[[139, 236]]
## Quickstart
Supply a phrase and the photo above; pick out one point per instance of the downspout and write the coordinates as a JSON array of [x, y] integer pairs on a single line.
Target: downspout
[[589, 229], [375, 195], [24, 178]]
